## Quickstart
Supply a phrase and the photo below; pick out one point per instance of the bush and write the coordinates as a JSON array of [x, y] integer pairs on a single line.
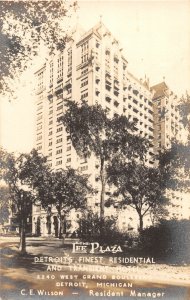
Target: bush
[[104, 232], [169, 241]]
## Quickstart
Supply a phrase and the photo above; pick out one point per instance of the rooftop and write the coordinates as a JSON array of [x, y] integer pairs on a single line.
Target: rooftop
[[159, 89]]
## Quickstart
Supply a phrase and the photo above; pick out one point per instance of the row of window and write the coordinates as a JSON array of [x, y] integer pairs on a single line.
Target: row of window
[[83, 83], [60, 67], [84, 71], [59, 129], [40, 80], [85, 47], [69, 61], [51, 72], [39, 137], [39, 127], [59, 140], [59, 107], [58, 162], [83, 168], [39, 107], [59, 151], [84, 58], [60, 63], [39, 117], [39, 147], [85, 95]]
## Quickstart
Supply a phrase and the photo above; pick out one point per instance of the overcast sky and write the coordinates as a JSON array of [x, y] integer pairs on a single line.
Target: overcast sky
[[155, 37]]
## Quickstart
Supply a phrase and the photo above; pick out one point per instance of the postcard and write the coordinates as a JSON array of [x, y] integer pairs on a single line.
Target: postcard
[[94, 157]]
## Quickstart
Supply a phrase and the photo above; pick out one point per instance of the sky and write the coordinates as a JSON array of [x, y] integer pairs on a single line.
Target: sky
[[155, 37]]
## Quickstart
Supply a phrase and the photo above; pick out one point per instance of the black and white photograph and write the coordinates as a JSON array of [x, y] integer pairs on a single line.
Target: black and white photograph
[[94, 149]]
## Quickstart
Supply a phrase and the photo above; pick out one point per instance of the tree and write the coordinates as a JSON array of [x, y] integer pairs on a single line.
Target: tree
[[184, 110], [139, 186], [92, 132], [23, 174], [28, 27], [65, 189], [174, 164], [4, 204], [168, 241], [90, 229]]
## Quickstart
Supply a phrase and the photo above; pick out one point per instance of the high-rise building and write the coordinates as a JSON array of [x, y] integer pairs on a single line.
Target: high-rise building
[[93, 67], [167, 124]]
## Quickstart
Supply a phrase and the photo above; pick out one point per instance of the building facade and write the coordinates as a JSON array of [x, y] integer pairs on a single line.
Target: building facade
[[167, 126], [91, 67]]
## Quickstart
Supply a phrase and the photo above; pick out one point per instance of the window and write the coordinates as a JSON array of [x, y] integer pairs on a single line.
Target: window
[[59, 129], [135, 91], [84, 71], [83, 160], [84, 81], [59, 151], [60, 107], [97, 44], [60, 67], [84, 52], [69, 62], [108, 87], [39, 117], [116, 70], [116, 103], [84, 46], [58, 162], [39, 107], [135, 110], [84, 168], [40, 80], [59, 140], [84, 95], [39, 138], [84, 58], [116, 59], [59, 96], [107, 60], [68, 159], [51, 72], [39, 127]]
